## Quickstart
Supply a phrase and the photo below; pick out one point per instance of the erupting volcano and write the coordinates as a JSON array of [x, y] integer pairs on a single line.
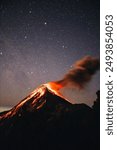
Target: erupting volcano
[[46, 120], [79, 75], [34, 100]]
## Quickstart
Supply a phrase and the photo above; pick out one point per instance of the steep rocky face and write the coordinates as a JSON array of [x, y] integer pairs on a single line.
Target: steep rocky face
[[44, 120]]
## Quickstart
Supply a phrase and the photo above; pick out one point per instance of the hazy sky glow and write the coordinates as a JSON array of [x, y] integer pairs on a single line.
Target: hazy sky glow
[[40, 40]]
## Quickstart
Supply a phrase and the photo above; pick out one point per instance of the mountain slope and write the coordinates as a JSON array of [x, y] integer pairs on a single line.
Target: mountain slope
[[46, 121]]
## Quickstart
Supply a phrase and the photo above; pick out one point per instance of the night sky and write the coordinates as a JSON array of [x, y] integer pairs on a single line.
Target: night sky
[[39, 42]]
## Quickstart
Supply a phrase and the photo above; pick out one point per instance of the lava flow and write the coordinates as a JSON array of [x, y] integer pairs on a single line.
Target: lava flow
[[31, 99]]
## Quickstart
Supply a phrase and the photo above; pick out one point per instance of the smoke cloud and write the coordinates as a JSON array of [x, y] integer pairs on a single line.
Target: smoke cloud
[[81, 73]]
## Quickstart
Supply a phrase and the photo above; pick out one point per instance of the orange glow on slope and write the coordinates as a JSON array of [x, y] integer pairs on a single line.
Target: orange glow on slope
[[35, 95]]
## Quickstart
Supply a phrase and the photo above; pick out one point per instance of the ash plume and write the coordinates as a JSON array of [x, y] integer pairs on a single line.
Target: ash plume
[[81, 73]]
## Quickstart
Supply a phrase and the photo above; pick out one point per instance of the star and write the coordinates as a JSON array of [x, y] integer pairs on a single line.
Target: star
[[31, 72], [30, 11], [25, 37], [1, 53], [45, 23]]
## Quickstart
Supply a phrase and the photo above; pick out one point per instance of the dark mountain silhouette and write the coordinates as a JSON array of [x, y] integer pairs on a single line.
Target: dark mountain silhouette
[[46, 121]]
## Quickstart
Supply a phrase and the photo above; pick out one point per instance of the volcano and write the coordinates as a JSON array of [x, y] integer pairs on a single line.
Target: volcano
[[45, 120]]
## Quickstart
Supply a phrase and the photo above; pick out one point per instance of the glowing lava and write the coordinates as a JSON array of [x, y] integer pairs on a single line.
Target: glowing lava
[[55, 87], [33, 101]]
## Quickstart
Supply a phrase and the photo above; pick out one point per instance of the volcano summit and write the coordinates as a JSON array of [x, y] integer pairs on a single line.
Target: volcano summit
[[45, 120]]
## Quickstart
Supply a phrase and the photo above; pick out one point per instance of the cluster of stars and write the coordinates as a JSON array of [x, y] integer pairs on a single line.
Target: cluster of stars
[[64, 47], [30, 73], [41, 39]]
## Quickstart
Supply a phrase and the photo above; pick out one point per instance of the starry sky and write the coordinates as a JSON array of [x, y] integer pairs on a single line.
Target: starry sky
[[39, 42]]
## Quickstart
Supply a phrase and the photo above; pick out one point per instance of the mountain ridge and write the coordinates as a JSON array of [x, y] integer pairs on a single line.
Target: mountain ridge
[[31, 101]]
